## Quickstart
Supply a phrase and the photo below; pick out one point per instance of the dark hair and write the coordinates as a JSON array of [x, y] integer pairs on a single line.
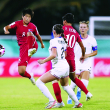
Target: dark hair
[[28, 11], [69, 17], [59, 30]]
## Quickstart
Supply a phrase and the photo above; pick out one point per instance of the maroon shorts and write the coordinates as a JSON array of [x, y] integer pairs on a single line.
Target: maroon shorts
[[72, 65], [23, 56]]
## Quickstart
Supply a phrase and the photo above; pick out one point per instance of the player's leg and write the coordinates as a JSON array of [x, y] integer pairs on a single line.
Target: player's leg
[[35, 44], [22, 71], [85, 79], [40, 83], [74, 78], [78, 82], [70, 92], [23, 61], [31, 42], [57, 91], [73, 86]]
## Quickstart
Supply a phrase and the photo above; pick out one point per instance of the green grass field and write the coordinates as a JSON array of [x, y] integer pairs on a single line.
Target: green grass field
[[20, 94]]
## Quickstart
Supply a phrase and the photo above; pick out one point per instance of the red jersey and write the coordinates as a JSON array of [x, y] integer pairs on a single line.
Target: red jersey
[[21, 30], [72, 37]]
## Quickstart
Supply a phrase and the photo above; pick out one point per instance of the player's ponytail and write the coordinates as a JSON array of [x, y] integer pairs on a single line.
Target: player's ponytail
[[59, 30]]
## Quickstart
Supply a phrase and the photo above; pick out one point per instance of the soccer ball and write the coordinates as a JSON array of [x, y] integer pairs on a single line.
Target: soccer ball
[[2, 50]]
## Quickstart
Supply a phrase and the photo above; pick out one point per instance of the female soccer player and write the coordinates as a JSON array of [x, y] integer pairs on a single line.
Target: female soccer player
[[83, 69], [72, 37], [28, 45], [60, 68]]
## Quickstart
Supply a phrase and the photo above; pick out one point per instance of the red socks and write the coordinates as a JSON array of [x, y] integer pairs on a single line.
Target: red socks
[[57, 92], [27, 75], [80, 84], [30, 41]]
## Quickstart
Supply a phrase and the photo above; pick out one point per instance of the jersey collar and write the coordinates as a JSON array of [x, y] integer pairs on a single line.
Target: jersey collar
[[83, 38]]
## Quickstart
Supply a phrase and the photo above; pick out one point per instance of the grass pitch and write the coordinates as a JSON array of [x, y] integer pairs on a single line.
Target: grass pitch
[[20, 94]]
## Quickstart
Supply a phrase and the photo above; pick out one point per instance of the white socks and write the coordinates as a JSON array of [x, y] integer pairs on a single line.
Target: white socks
[[73, 85], [44, 90], [85, 82], [71, 94]]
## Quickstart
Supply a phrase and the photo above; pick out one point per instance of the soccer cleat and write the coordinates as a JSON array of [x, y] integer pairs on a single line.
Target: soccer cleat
[[59, 105], [78, 106], [32, 78], [51, 104], [88, 96], [31, 51], [78, 94], [69, 101]]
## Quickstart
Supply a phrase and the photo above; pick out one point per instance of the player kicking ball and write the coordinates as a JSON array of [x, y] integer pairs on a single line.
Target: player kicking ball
[[25, 31]]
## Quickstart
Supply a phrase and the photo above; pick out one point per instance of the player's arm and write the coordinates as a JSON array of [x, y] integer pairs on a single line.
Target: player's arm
[[93, 53], [65, 53], [36, 33], [83, 51], [52, 56], [6, 29], [40, 40], [82, 48]]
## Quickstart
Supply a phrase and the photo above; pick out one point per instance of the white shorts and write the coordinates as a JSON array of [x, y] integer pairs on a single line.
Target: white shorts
[[80, 67], [60, 72]]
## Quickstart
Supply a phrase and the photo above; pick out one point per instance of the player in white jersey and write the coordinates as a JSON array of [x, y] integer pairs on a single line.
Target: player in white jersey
[[83, 69], [60, 68]]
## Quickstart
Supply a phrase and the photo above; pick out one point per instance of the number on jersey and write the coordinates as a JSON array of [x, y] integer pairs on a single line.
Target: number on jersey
[[70, 41], [62, 49]]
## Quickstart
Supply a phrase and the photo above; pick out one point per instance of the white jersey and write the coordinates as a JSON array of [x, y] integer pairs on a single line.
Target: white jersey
[[60, 45], [90, 45]]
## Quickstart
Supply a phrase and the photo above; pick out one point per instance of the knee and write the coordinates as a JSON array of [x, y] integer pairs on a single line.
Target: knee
[[21, 71], [39, 83], [65, 87], [72, 75]]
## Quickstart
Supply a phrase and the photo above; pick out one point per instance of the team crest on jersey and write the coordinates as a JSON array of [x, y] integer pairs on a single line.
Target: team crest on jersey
[[29, 30]]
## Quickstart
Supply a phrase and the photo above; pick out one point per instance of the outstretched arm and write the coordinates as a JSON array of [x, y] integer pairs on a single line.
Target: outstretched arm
[[52, 56], [40, 40], [6, 28]]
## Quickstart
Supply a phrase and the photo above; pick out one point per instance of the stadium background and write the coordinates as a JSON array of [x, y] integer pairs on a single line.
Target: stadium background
[[47, 13]]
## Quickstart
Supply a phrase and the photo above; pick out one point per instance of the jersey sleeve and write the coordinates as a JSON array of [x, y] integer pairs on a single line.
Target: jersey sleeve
[[94, 44], [35, 31], [13, 25], [53, 44]]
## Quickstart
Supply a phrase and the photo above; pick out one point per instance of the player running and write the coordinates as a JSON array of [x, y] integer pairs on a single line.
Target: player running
[[60, 68], [25, 31], [72, 37], [83, 69]]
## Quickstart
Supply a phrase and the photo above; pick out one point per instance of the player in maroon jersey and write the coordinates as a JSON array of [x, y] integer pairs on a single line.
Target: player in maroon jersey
[[25, 31], [72, 37]]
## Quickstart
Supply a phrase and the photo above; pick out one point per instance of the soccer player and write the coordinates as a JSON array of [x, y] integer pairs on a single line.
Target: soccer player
[[60, 68], [72, 37], [83, 69], [25, 31]]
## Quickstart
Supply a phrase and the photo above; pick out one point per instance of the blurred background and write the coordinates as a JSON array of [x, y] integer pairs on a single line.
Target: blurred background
[[46, 14]]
